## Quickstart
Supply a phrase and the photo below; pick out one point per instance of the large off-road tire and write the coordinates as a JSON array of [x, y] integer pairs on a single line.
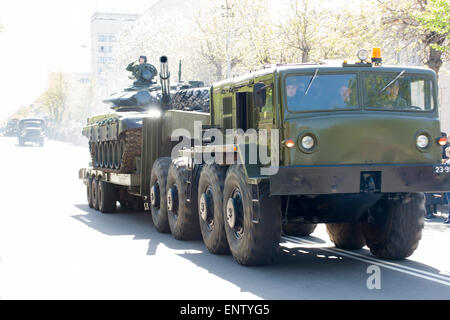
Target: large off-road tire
[[394, 226], [89, 192], [182, 214], [107, 197], [158, 181], [347, 235], [94, 191], [298, 229], [250, 243], [196, 99], [210, 208]]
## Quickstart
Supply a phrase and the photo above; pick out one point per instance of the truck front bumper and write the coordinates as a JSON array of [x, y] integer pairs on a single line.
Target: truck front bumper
[[298, 180]]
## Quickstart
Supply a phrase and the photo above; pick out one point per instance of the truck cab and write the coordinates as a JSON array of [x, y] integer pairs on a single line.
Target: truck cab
[[31, 130]]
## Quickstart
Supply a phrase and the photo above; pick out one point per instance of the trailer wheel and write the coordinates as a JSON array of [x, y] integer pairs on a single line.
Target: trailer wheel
[[347, 235], [210, 208], [89, 192], [394, 226], [107, 197], [250, 243], [182, 214], [298, 229], [94, 193], [158, 202]]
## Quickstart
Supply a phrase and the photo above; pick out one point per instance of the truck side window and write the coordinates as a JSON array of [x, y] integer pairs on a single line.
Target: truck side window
[[266, 113]]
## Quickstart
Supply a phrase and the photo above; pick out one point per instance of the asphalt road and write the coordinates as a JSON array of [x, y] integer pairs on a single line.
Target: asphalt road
[[52, 246]]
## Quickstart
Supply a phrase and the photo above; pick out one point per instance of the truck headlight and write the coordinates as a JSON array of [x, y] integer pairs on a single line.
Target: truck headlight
[[308, 142], [422, 141]]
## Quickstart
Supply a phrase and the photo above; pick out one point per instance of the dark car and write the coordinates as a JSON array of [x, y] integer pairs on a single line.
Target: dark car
[[32, 130]]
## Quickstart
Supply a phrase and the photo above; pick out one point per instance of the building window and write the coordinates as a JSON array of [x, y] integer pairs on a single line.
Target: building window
[[99, 70], [105, 60], [104, 49], [102, 38], [112, 38]]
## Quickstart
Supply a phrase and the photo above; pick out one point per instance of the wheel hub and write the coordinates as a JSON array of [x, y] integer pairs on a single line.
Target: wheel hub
[[231, 213], [172, 199], [204, 206], [154, 195]]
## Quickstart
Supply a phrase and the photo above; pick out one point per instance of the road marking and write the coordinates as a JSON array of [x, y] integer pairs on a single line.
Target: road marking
[[388, 265], [446, 278]]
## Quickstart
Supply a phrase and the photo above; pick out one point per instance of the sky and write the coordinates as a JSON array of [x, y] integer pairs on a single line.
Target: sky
[[45, 36]]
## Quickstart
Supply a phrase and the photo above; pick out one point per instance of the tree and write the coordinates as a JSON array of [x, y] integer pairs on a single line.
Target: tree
[[419, 22], [54, 100]]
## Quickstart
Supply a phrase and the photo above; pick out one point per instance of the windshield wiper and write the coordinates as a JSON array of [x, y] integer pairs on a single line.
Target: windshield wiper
[[392, 81], [311, 81]]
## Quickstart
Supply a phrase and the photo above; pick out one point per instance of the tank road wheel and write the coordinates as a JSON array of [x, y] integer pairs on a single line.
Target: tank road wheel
[[182, 215], [250, 243], [116, 150], [94, 191], [110, 155], [346, 235], [107, 197], [298, 229], [89, 192], [101, 154], [394, 226], [96, 153], [158, 199], [210, 208]]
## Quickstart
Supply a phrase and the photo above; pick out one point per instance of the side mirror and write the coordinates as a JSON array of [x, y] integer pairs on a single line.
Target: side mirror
[[259, 94]]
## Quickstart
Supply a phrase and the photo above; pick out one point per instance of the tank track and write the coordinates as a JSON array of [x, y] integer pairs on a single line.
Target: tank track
[[131, 148]]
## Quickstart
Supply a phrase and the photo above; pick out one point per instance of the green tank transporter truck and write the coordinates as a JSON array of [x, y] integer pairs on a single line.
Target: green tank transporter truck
[[354, 146]]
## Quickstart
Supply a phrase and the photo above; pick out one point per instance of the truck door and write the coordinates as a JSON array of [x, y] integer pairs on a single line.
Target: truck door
[[264, 115]]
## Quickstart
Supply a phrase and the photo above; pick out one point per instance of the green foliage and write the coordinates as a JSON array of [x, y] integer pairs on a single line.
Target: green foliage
[[436, 18]]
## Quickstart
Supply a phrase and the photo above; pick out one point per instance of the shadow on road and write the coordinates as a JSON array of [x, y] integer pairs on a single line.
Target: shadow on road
[[299, 272]]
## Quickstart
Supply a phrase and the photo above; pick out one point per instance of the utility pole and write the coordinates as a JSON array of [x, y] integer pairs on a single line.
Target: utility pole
[[228, 14]]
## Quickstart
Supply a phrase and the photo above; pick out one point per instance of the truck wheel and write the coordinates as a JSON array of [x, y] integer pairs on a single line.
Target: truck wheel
[[394, 226], [94, 191], [158, 200], [106, 197], [250, 243], [89, 192], [347, 235], [182, 215], [298, 229], [210, 211]]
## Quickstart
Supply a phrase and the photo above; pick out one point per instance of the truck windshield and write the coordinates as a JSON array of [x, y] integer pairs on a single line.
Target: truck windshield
[[399, 92], [326, 92], [32, 124]]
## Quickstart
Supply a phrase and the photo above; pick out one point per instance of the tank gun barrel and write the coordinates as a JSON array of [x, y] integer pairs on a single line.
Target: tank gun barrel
[[164, 76]]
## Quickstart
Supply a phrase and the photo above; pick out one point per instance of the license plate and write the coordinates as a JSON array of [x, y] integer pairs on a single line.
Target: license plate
[[442, 169]]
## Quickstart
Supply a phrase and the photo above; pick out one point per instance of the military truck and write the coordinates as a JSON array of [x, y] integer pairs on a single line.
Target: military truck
[[12, 128], [354, 146], [31, 130]]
